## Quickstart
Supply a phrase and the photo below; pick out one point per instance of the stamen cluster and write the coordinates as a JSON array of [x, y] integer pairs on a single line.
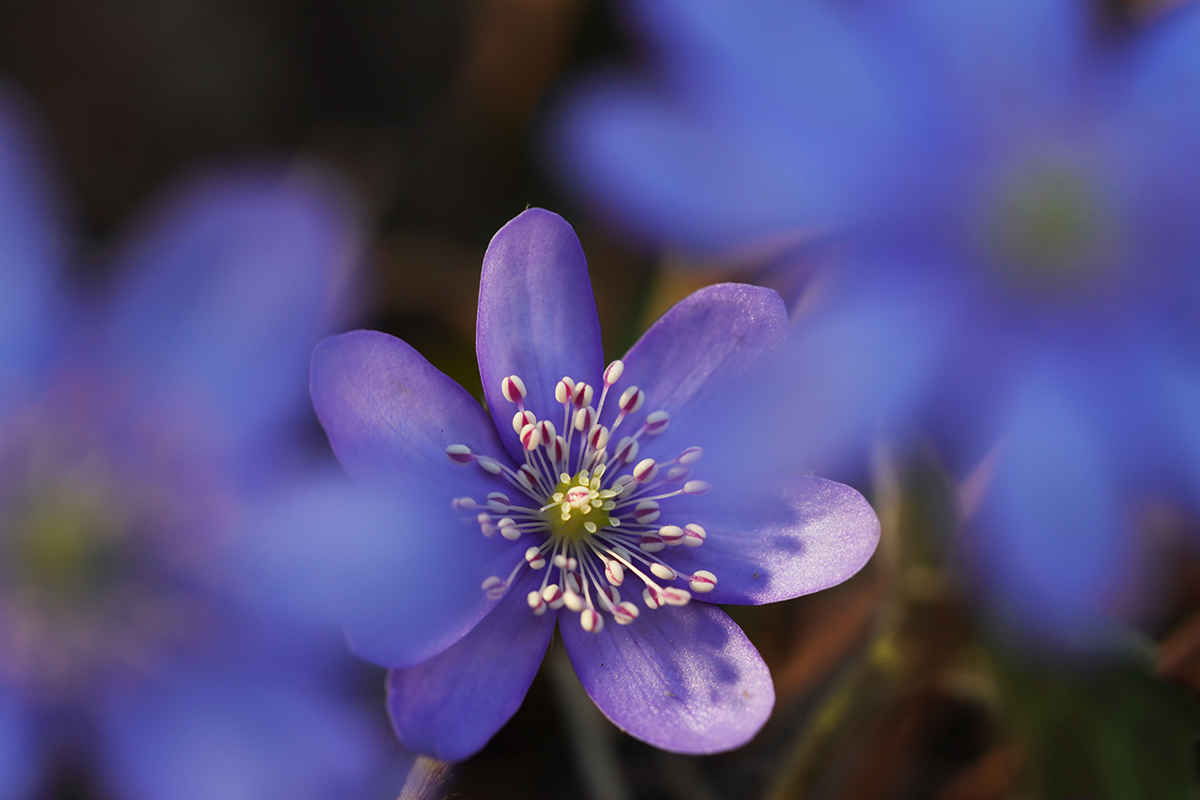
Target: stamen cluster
[[589, 510]]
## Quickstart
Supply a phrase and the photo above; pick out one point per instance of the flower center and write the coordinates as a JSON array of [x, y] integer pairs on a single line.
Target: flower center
[[590, 511]]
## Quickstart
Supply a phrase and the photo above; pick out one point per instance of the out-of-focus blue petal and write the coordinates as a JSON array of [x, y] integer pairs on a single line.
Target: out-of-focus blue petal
[[537, 318], [1166, 68], [452, 704], [1050, 542], [230, 280], [236, 737], [858, 366], [390, 415], [19, 766], [685, 679], [32, 244], [798, 536], [400, 568]]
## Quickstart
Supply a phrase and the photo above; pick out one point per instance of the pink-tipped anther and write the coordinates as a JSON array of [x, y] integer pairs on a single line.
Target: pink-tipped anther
[[513, 389], [460, 454], [612, 373]]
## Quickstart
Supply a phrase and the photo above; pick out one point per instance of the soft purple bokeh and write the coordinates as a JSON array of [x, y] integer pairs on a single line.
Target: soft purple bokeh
[[1013, 192], [142, 425], [683, 678]]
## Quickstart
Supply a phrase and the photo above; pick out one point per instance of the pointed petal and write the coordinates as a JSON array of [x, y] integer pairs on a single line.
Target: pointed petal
[[237, 737], [32, 242], [390, 415], [685, 679], [804, 536], [537, 318], [229, 283], [451, 705]]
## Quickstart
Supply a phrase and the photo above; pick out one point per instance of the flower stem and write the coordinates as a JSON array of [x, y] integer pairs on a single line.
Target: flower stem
[[424, 779]]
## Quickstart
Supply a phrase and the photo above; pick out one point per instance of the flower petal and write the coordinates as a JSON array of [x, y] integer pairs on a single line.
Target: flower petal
[[537, 318], [390, 414], [19, 765], [32, 242], [230, 282], [237, 737], [451, 705], [399, 568], [804, 535], [1050, 543], [685, 679], [694, 363]]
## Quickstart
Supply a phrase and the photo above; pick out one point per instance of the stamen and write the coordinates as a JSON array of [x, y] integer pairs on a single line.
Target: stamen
[[513, 389]]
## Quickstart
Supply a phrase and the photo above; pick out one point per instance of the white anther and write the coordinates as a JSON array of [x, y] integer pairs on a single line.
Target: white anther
[[627, 451], [662, 571], [612, 373], [573, 585], [513, 389], [610, 594], [534, 557], [631, 400], [678, 473], [622, 481], [693, 535], [546, 429], [671, 534], [585, 418], [560, 448], [598, 437], [523, 418], [531, 437], [536, 602], [553, 595], [494, 587], [582, 395], [696, 487], [527, 477], [489, 464], [651, 544], [509, 529], [485, 524], [651, 598], [563, 389], [657, 422], [646, 511], [573, 600], [498, 503], [676, 597], [464, 504], [560, 561], [645, 470], [614, 572], [591, 621], [691, 456], [460, 454], [625, 613], [703, 582]]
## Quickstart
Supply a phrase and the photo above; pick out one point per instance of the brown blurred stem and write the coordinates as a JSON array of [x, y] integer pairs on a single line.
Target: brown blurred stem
[[424, 779]]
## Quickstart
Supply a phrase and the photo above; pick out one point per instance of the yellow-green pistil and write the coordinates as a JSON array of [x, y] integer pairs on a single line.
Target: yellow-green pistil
[[579, 507]]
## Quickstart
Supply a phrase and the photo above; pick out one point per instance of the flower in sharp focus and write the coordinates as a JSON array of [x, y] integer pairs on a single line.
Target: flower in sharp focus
[[618, 501], [138, 429], [1023, 173]]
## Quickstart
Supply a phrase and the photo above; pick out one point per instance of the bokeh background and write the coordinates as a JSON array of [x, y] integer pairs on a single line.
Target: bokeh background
[[888, 687]]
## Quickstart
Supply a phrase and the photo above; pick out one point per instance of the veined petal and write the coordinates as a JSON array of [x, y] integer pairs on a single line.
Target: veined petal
[[390, 414], [229, 283], [695, 363], [32, 242], [685, 679], [450, 706], [537, 318], [804, 535], [236, 736]]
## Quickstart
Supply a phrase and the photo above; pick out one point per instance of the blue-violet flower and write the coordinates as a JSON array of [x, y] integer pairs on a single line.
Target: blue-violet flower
[[609, 499], [138, 429]]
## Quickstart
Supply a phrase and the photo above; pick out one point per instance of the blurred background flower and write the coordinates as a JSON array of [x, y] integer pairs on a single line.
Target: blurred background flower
[[140, 422]]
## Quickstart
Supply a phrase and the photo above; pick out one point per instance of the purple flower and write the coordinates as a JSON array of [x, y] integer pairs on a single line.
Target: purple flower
[[610, 499], [139, 429], [1016, 173]]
